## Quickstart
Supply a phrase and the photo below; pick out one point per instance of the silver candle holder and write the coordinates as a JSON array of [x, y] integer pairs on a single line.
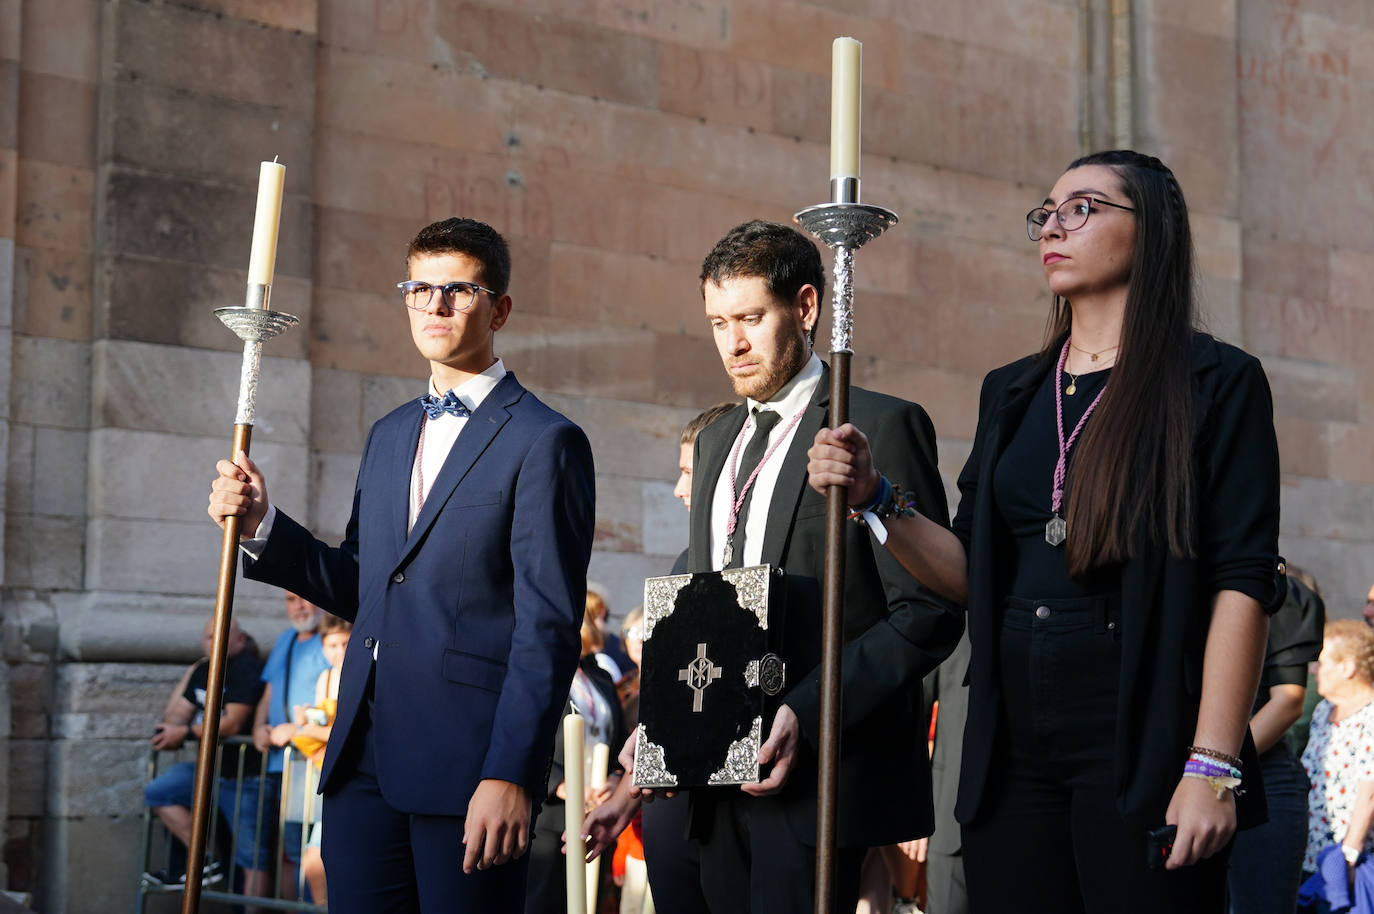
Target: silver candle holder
[[844, 226], [255, 324]]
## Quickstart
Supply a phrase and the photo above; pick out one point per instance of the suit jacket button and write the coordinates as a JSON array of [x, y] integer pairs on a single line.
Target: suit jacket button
[[398, 578], [369, 643]]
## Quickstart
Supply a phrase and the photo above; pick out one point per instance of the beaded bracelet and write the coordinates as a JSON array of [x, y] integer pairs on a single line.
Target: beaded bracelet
[[1216, 754]]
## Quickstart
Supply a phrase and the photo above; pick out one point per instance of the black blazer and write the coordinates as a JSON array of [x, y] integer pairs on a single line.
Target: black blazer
[[1165, 602], [895, 630]]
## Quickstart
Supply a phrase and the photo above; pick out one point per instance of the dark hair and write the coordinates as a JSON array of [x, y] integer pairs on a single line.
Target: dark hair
[[784, 257], [701, 420], [476, 239], [1132, 469]]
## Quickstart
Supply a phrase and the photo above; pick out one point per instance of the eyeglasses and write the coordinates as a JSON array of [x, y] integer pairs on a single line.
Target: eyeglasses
[[458, 296], [1072, 215]]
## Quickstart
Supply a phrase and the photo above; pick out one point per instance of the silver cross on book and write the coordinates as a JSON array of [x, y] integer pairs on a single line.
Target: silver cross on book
[[710, 676]]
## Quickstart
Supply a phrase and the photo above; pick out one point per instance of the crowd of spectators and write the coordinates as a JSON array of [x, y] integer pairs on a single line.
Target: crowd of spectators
[[1312, 724]]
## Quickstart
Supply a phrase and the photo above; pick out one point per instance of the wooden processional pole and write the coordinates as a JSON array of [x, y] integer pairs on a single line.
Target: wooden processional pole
[[845, 225], [253, 323]]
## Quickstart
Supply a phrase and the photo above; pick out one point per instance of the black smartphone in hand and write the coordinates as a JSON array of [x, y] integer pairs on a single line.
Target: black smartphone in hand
[[1159, 843]]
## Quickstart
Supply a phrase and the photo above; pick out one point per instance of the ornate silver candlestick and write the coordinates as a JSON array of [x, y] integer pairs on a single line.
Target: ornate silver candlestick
[[845, 225], [254, 324]]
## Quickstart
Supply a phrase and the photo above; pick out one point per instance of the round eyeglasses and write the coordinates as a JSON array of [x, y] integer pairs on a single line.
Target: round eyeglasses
[[1072, 215], [457, 296]]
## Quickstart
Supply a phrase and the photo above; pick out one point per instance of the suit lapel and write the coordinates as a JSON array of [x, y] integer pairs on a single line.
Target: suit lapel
[[712, 450], [477, 434], [403, 459], [791, 482]]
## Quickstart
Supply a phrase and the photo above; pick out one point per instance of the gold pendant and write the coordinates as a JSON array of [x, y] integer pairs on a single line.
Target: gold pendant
[[1071, 389], [1094, 356]]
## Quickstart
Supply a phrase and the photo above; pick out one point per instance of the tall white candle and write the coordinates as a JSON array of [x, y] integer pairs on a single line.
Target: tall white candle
[[573, 803], [262, 261], [846, 54], [601, 762]]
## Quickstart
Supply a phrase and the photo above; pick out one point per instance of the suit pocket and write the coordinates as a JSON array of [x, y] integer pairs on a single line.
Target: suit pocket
[[472, 670], [475, 499]]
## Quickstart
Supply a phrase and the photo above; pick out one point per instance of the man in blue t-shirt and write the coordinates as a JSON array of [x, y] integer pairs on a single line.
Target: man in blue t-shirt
[[289, 678]]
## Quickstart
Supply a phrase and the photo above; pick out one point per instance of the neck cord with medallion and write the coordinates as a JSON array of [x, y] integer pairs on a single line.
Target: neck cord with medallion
[[419, 468], [1056, 531], [737, 496]]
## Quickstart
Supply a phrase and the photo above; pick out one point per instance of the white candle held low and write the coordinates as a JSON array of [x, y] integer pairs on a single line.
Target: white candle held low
[[601, 761], [573, 804]]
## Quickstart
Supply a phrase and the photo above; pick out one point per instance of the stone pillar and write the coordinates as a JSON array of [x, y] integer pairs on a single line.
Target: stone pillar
[[131, 228]]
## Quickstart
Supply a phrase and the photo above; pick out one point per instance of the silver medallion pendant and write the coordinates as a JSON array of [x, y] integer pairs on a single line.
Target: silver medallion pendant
[[1056, 530], [728, 554]]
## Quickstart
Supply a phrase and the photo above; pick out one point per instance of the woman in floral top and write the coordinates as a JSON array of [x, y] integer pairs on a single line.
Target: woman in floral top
[[1340, 750]]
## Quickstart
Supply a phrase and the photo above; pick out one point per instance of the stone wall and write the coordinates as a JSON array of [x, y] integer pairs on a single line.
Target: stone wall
[[612, 143]]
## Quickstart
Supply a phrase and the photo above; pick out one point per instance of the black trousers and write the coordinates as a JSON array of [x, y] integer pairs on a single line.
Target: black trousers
[[753, 863], [1049, 837], [672, 858]]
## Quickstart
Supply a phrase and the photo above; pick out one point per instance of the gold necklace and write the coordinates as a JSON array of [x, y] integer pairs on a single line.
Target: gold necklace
[[1093, 355]]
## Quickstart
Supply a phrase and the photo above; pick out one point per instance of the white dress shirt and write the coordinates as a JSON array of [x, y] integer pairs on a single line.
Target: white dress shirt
[[791, 399], [439, 434]]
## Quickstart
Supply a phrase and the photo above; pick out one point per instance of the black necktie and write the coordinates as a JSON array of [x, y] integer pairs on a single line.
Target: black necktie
[[764, 420]]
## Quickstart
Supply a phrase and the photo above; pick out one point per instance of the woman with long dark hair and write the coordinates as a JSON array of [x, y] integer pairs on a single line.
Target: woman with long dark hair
[[1115, 546]]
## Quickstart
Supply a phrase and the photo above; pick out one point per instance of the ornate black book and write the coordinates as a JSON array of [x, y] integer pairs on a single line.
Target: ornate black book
[[709, 676]]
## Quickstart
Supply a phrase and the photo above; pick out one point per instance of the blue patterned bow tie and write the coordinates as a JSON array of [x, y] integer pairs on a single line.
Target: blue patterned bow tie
[[436, 406]]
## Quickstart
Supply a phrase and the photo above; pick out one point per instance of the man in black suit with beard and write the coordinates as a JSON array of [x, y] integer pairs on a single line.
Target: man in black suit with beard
[[762, 285]]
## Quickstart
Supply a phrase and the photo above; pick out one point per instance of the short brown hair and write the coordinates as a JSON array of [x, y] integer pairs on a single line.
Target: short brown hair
[[469, 237], [1352, 639], [332, 623], [695, 427]]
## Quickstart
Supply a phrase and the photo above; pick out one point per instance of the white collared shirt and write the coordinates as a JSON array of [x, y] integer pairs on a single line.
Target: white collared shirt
[[793, 397], [441, 433]]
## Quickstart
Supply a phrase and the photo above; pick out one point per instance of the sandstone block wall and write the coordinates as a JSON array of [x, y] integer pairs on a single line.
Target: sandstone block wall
[[612, 143]]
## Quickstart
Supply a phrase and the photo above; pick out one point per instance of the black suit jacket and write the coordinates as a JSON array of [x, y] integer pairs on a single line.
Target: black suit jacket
[[1165, 601], [895, 630]]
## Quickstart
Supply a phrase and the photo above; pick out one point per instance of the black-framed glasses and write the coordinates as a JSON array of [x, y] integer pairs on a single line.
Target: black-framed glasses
[[458, 296], [1072, 215]]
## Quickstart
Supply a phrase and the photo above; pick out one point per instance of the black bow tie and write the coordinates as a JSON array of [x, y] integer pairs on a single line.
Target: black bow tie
[[436, 406]]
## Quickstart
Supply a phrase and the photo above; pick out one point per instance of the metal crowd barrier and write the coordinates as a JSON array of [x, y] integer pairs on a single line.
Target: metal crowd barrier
[[300, 803]]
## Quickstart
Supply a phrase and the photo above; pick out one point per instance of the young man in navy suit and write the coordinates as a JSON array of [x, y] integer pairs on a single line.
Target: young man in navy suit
[[464, 571]]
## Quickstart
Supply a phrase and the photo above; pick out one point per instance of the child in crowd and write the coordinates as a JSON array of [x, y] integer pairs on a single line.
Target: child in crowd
[[316, 722]]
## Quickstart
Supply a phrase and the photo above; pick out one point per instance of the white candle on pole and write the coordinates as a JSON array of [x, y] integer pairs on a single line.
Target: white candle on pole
[[601, 761], [573, 803], [846, 54], [262, 261]]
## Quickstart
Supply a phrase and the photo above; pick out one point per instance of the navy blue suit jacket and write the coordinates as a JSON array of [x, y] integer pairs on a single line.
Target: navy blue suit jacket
[[474, 612]]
